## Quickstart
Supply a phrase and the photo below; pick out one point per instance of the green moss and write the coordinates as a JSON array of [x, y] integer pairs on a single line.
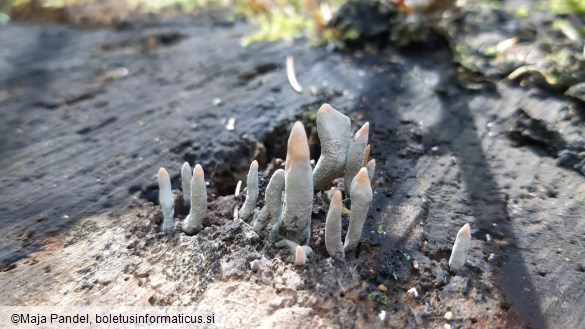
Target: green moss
[[381, 229], [378, 297], [281, 19], [383, 300], [522, 12], [491, 51], [277, 26], [488, 3], [565, 7], [312, 116]]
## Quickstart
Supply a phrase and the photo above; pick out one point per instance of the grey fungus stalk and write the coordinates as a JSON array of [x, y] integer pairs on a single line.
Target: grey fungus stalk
[[356, 156], [273, 198], [252, 192], [361, 198], [460, 248], [167, 203], [274, 194], [260, 221], [333, 228], [194, 221], [295, 220], [334, 129], [186, 176]]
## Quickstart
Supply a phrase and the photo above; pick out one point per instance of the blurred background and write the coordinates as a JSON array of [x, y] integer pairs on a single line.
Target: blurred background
[[285, 19], [494, 38]]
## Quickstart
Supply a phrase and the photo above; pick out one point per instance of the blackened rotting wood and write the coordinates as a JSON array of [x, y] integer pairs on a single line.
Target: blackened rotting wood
[[443, 159], [146, 43], [525, 130]]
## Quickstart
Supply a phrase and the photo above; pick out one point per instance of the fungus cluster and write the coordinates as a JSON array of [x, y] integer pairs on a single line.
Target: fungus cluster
[[289, 193]]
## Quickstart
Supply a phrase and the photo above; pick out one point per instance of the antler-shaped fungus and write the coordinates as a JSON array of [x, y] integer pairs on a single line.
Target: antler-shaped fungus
[[334, 129]]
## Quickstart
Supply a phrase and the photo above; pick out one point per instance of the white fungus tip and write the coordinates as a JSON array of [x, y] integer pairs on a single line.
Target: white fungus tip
[[460, 248], [362, 179], [298, 145], [162, 172], [363, 132], [325, 109], [186, 165], [300, 256], [254, 165], [413, 292], [198, 171], [372, 162], [465, 231]]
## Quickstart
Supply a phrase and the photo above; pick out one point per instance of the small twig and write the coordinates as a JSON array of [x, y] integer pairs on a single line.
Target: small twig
[[238, 187], [326, 12], [290, 74]]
